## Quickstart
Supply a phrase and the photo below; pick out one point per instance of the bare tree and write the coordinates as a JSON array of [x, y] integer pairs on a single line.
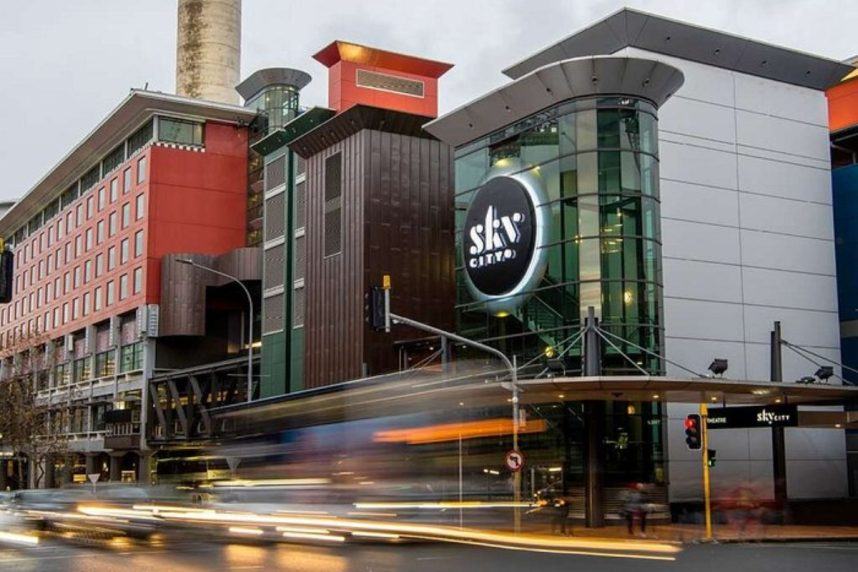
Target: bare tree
[[28, 423]]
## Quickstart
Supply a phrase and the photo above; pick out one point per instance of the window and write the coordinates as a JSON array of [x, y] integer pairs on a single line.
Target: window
[[140, 138], [114, 190], [110, 293], [138, 280], [126, 180], [75, 308], [67, 281], [88, 239], [126, 214], [123, 287], [333, 204], [86, 303], [99, 265], [111, 258], [59, 229], [78, 245], [90, 207], [179, 131], [65, 313], [140, 206], [101, 198], [99, 232], [141, 170], [77, 277], [79, 215], [69, 222], [97, 299], [123, 251], [111, 224], [87, 271], [58, 284], [138, 244], [68, 252]]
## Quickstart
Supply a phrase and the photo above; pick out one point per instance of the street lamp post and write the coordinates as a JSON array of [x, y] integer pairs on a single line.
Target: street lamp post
[[190, 262]]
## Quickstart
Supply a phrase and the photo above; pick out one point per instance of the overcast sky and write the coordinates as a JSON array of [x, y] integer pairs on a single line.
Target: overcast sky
[[65, 64]]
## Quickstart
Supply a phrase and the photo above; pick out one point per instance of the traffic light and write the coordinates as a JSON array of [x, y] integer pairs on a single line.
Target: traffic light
[[692, 432], [375, 309], [6, 271], [710, 457]]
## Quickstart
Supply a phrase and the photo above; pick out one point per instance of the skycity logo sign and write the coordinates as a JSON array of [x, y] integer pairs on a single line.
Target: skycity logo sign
[[500, 241], [491, 240], [770, 417]]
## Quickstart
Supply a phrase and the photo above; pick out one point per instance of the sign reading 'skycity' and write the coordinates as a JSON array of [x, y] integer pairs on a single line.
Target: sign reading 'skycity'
[[502, 239], [753, 416]]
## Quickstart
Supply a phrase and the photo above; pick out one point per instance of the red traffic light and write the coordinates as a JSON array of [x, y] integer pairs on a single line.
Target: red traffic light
[[692, 432]]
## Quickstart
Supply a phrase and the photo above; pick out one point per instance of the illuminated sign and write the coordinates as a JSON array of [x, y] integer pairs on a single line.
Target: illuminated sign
[[749, 417], [502, 240]]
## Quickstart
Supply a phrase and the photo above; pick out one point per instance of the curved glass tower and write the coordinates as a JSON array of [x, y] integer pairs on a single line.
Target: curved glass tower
[[597, 161]]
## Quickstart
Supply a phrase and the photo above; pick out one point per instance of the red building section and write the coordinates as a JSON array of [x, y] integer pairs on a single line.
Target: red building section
[[101, 256], [843, 104], [378, 78]]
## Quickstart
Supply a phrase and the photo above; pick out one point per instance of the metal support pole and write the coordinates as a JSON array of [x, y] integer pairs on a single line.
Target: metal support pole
[[513, 372], [592, 349], [594, 422], [707, 496], [778, 437]]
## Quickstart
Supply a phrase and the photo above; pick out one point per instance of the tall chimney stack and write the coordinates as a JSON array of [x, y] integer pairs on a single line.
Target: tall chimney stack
[[208, 54]]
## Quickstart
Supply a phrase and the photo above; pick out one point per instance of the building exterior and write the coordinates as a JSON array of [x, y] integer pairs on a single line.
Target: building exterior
[[729, 230], [843, 121], [353, 192], [92, 242]]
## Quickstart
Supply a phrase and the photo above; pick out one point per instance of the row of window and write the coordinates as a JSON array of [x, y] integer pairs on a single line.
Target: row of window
[[84, 212], [72, 279], [89, 180], [81, 306]]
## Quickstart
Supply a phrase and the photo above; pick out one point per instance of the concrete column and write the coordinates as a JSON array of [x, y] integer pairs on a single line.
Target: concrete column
[[48, 478], [4, 482], [90, 463], [594, 490], [116, 466], [143, 475]]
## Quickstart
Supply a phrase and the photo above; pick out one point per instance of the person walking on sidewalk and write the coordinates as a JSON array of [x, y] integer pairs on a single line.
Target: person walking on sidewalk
[[635, 505], [560, 518]]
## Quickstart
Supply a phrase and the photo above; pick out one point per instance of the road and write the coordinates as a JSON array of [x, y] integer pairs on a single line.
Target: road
[[190, 555]]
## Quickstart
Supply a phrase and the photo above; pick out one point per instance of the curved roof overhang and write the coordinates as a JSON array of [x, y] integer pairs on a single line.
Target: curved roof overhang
[[553, 84], [260, 79]]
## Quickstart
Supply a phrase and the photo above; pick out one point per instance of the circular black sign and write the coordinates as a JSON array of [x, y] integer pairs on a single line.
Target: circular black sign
[[499, 236]]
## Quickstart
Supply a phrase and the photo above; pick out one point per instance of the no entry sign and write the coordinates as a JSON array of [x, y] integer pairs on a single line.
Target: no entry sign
[[514, 460]]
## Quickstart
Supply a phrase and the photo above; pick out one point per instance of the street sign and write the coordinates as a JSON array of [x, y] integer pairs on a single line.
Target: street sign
[[514, 460], [93, 477], [750, 417]]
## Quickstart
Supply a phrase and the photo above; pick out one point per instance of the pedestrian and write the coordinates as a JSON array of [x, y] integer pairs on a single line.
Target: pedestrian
[[560, 518], [634, 505]]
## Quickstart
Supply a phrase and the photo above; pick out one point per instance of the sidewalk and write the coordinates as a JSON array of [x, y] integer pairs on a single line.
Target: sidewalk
[[686, 533]]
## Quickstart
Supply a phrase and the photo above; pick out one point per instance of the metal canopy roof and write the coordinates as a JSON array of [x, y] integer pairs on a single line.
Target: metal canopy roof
[[633, 28], [426, 390], [553, 84], [120, 123], [260, 79], [301, 124], [354, 119]]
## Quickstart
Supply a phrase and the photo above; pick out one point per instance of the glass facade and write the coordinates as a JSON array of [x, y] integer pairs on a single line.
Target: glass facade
[[597, 160], [278, 104]]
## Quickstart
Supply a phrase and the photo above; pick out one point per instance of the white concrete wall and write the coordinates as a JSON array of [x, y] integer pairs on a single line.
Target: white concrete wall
[[747, 239]]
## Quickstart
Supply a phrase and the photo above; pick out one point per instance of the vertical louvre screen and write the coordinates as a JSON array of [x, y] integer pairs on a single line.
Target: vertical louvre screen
[[272, 314], [275, 173], [273, 267], [275, 217], [300, 258], [300, 205], [333, 204], [298, 308]]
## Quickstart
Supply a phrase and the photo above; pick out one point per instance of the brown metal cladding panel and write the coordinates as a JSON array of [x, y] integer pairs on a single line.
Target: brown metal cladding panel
[[334, 322], [410, 235]]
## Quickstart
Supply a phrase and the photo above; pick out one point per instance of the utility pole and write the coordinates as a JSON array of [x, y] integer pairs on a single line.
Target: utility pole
[[778, 438], [390, 319], [707, 494]]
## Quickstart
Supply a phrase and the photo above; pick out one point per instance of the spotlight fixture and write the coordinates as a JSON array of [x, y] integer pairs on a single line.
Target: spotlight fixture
[[556, 366], [718, 366], [824, 372]]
